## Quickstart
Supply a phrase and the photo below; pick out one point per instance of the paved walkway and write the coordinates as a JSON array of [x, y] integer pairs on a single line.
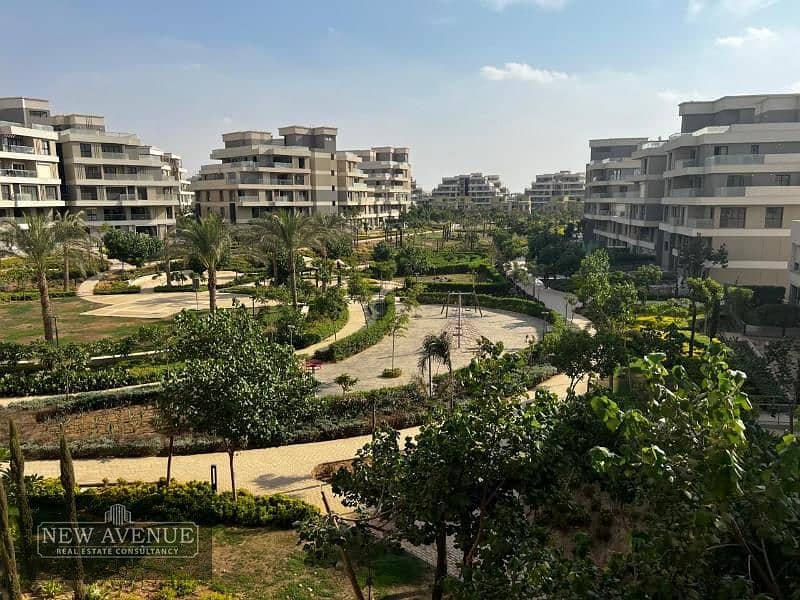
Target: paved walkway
[[355, 321], [511, 328], [149, 304]]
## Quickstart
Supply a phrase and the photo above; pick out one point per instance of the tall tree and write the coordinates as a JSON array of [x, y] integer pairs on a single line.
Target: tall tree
[[70, 485], [7, 556], [398, 327], [209, 241], [73, 241], [37, 240], [131, 247], [436, 348], [292, 231], [707, 292], [24, 508]]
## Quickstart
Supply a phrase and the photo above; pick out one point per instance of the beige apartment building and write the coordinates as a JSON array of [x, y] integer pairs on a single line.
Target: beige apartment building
[[731, 177], [389, 176], [115, 179], [793, 291], [258, 174], [301, 171], [29, 179], [549, 190], [470, 192]]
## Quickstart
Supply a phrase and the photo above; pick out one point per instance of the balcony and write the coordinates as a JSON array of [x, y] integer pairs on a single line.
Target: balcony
[[700, 223], [18, 149], [133, 177], [735, 159], [686, 163], [120, 197], [730, 191], [17, 173], [686, 192], [25, 197]]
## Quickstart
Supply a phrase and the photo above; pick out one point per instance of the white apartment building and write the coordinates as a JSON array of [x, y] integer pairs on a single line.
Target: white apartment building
[[115, 179], [793, 292], [730, 177], [29, 179]]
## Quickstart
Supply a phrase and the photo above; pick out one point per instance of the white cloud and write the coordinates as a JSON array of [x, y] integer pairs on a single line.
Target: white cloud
[[795, 87], [737, 7], [751, 35], [227, 120], [501, 5], [521, 72], [676, 97]]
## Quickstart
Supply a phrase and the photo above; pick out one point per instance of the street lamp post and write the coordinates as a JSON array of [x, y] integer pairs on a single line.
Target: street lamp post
[[253, 298], [291, 331], [54, 321]]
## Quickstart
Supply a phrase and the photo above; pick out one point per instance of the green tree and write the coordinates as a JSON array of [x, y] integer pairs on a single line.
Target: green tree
[[643, 277], [605, 293], [345, 381], [73, 242], [209, 241], [398, 327], [436, 348], [21, 492], [694, 257], [131, 247], [707, 292], [70, 486], [382, 252], [292, 232], [37, 240], [243, 391]]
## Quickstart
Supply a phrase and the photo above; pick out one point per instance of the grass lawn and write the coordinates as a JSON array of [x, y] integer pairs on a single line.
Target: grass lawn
[[255, 563], [22, 322]]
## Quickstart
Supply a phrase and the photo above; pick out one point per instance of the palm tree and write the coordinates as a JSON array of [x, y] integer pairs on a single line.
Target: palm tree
[[436, 348], [207, 239], [73, 241], [37, 240], [171, 248], [398, 327], [292, 232]]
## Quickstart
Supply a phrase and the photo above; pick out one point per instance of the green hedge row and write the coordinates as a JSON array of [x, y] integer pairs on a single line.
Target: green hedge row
[[33, 295], [444, 287], [179, 288], [533, 308], [363, 338], [193, 501], [105, 288]]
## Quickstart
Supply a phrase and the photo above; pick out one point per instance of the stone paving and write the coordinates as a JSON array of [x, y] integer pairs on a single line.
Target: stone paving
[[511, 328]]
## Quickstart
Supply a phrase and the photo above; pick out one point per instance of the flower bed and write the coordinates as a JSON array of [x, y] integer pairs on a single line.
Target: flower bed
[[104, 288]]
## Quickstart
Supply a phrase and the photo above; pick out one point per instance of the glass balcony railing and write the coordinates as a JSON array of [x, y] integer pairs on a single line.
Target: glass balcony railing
[[17, 148], [735, 159], [16, 173]]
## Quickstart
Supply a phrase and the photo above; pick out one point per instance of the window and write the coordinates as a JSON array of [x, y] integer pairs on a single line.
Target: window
[[784, 179], [140, 213], [720, 150], [91, 214], [116, 213], [86, 150], [51, 192], [92, 172], [774, 217], [169, 212], [333, 173], [732, 217], [141, 193], [45, 147], [333, 188], [739, 180], [754, 149], [88, 193]]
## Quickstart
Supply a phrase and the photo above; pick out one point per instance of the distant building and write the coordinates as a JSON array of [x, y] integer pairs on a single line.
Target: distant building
[[472, 191], [550, 189]]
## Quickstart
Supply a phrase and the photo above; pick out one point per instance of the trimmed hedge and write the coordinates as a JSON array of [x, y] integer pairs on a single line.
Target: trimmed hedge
[[444, 287], [179, 288], [193, 501], [532, 308], [105, 288], [362, 339], [33, 295]]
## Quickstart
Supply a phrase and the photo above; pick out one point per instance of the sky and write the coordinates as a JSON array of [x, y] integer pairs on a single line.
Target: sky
[[513, 87]]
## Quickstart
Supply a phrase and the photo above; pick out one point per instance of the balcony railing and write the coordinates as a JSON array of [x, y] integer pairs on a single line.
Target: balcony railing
[[120, 197], [735, 159], [16, 173], [19, 149], [686, 163], [114, 217], [133, 176], [729, 191], [700, 223], [685, 192], [25, 197]]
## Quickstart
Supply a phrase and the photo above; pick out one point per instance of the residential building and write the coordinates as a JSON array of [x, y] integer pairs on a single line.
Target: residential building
[[389, 175], [259, 175], [519, 203], [549, 189], [469, 192], [29, 179], [115, 179], [612, 177], [418, 195], [793, 292], [356, 197], [733, 178]]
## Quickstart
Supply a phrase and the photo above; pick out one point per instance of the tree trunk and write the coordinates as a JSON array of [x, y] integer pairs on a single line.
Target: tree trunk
[[66, 269], [441, 563], [274, 269], [430, 378], [231, 452], [23, 506], [393, 338], [293, 278], [169, 457], [694, 323], [47, 309], [212, 289], [346, 562], [168, 271]]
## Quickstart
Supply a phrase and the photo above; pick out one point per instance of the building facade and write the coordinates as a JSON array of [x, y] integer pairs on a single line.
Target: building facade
[[302, 171], [29, 178], [548, 189], [730, 177], [793, 291], [471, 191]]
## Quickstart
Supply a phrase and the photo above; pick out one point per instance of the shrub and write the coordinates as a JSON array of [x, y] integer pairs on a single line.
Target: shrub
[[776, 315], [767, 294], [193, 501], [392, 373], [27, 295], [115, 287], [179, 288], [362, 339]]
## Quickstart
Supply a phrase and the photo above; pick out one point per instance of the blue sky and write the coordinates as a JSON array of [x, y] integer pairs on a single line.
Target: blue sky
[[514, 87]]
